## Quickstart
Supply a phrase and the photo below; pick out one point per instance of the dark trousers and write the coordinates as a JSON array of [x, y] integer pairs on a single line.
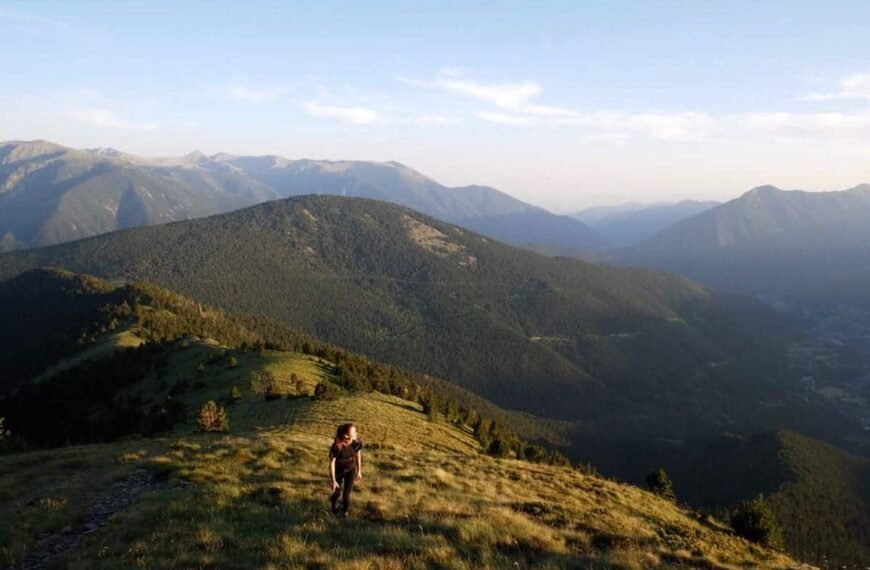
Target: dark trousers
[[345, 479]]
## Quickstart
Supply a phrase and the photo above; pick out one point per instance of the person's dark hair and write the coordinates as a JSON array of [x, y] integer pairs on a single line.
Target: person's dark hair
[[342, 432]]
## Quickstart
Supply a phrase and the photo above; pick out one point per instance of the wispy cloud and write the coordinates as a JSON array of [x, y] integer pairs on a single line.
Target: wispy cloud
[[515, 104], [506, 119], [28, 19], [855, 86], [352, 115], [248, 94], [813, 126], [514, 97], [109, 119], [436, 121]]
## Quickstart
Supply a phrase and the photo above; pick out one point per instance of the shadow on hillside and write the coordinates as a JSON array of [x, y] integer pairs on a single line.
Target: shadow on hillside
[[403, 406]]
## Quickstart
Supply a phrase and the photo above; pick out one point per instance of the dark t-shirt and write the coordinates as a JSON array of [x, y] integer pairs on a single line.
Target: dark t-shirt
[[345, 457]]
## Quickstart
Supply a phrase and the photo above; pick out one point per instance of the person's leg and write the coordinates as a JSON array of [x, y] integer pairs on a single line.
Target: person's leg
[[347, 489], [333, 499]]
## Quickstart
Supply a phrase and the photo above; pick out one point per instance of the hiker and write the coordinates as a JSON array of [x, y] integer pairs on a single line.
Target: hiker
[[345, 466]]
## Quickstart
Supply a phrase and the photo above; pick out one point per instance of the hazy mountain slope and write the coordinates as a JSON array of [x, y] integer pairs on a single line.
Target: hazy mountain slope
[[635, 223], [820, 492], [51, 194], [479, 208], [770, 241], [627, 351]]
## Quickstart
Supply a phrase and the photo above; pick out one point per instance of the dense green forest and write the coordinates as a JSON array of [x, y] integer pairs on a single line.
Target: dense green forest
[[626, 351], [820, 493], [89, 400]]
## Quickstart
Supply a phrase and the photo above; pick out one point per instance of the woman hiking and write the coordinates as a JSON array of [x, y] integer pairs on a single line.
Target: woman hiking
[[345, 466]]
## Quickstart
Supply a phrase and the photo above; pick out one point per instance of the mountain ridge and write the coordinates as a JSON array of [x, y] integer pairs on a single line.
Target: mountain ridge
[[630, 224], [51, 194], [767, 241]]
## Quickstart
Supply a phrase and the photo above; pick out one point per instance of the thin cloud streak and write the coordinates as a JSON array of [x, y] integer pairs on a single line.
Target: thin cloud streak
[[18, 17], [109, 119], [253, 95], [351, 115], [855, 86]]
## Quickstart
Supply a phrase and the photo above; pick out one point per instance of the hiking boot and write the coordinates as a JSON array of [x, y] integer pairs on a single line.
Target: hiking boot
[[344, 514]]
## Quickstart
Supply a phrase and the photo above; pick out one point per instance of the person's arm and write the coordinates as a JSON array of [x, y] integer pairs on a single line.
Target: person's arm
[[359, 465], [332, 473]]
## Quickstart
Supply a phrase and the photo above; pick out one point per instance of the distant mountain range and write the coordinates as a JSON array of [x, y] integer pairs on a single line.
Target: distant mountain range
[[772, 242], [630, 224], [51, 194]]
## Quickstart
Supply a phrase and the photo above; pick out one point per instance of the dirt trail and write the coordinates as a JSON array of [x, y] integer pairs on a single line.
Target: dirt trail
[[117, 498]]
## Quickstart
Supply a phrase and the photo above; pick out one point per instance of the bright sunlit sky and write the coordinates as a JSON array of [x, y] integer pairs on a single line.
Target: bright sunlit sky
[[562, 104]]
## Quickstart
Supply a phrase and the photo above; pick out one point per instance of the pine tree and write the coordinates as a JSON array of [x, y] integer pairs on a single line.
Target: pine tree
[[325, 391], [213, 418], [754, 520], [659, 483]]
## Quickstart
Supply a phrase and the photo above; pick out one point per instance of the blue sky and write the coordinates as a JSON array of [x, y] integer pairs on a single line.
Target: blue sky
[[564, 104]]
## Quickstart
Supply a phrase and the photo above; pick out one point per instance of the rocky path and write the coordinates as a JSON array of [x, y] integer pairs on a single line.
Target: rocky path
[[117, 498]]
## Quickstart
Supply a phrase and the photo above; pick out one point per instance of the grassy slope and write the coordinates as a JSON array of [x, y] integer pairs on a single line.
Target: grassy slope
[[256, 498]]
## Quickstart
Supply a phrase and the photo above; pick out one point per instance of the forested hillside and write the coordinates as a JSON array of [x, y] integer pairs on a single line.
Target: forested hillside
[[629, 351], [820, 492]]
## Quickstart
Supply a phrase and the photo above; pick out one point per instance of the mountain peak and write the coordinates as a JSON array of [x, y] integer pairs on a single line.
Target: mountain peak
[[15, 151], [765, 190]]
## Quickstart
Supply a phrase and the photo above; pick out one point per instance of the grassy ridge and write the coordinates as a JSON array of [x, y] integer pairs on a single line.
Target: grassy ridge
[[257, 498]]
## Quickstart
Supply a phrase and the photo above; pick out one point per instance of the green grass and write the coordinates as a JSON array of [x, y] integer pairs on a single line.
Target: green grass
[[256, 498], [102, 348]]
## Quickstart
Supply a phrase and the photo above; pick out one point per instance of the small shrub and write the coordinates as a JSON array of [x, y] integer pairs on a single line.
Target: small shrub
[[499, 448], [272, 392], [213, 418], [659, 483], [298, 384], [754, 520], [235, 394], [325, 391]]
